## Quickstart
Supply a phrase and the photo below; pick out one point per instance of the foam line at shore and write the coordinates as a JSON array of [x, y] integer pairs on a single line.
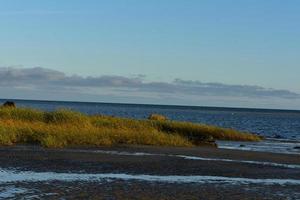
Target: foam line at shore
[[7, 176], [123, 153]]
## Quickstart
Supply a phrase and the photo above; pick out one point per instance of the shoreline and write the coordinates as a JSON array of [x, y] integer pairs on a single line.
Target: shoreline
[[137, 153], [281, 146], [139, 170]]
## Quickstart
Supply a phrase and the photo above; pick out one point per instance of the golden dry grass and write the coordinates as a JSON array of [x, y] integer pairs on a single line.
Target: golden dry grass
[[64, 128]]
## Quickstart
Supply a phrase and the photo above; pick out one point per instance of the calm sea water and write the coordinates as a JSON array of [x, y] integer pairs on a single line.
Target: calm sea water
[[281, 124]]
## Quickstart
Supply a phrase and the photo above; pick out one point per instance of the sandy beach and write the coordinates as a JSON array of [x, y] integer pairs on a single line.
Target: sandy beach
[[142, 172]]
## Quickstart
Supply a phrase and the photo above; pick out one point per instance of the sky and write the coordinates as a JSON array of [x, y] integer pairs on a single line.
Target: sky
[[188, 52]]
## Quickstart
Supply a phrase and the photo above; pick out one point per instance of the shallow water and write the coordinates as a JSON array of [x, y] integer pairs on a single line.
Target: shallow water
[[8, 176], [11, 191], [268, 145]]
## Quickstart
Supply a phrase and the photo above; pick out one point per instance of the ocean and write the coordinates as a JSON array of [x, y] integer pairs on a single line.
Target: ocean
[[278, 126]]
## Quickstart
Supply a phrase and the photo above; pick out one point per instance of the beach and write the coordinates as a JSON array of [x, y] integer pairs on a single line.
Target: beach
[[149, 100], [144, 172]]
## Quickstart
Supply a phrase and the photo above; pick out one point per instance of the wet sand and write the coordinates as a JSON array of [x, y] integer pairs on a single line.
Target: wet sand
[[160, 162]]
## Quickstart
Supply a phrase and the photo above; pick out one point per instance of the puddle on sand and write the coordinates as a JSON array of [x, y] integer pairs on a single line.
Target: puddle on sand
[[8, 176]]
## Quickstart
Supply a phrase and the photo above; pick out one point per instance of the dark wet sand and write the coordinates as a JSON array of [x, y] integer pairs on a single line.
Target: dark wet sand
[[37, 159]]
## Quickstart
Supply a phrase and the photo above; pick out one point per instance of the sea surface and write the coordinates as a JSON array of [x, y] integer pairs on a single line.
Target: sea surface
[[280, 127]]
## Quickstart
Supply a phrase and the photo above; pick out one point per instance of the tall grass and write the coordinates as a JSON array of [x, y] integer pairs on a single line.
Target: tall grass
[[64, 128], [201, 131]]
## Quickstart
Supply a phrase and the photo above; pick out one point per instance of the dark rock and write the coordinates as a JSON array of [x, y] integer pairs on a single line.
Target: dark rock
[[10, 104], [297, 147], [242, 145]]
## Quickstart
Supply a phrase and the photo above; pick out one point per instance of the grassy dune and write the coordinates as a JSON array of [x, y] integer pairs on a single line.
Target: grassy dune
[[64, 128]]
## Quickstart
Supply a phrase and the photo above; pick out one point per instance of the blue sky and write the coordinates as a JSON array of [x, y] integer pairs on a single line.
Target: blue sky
[[233, 43]]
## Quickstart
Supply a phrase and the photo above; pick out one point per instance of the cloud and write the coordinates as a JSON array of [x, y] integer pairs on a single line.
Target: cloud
[[43, 79]]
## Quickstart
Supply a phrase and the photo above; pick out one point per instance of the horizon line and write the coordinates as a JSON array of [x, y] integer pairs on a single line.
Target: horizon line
[[149, 104]]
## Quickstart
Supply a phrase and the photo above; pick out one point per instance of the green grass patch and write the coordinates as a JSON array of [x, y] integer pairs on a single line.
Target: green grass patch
[[63, 128]]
